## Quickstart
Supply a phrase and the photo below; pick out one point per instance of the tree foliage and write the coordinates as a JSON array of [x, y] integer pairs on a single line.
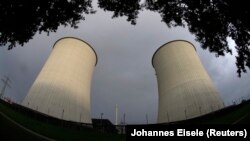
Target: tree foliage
[[129, 8], [211, 21], [21, 19]]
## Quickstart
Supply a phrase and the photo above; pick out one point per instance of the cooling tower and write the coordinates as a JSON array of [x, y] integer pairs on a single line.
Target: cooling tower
[[62, 88], [185, 89]]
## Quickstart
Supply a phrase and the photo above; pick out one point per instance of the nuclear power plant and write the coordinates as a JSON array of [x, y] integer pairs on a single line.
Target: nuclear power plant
[[185, 89], [62, 88]]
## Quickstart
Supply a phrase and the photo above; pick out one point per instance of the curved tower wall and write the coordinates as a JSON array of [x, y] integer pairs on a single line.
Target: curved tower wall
[[185, 89], [62, 88]]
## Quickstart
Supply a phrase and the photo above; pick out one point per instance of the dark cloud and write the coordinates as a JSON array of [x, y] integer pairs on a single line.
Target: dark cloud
[[124, 74]]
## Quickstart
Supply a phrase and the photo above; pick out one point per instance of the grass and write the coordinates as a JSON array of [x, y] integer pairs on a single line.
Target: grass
[[53, 131], [9, 131], [238, 114]]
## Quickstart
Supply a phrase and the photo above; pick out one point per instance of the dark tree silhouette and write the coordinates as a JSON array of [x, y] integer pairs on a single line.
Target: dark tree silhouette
[[211, 21], [129, 8], [21, 19]]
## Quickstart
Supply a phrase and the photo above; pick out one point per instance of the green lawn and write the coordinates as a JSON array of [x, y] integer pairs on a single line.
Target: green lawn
[[48, 130], [9, 131], [232, 115]]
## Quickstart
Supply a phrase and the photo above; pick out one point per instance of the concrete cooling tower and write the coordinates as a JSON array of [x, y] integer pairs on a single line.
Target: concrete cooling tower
[[62, 88], [185, 89]]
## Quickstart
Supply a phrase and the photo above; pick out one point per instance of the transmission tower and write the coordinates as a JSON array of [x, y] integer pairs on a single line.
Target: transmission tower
[[6, 81]]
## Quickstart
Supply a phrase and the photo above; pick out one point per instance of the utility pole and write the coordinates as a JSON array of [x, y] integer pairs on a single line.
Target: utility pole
[[6, 81], [168, 116], [124, 117], [116, 114], [101, 122], [101, 115], [147, 118]]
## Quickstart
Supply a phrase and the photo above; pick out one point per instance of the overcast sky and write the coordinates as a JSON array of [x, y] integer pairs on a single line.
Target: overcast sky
[[124, 74]]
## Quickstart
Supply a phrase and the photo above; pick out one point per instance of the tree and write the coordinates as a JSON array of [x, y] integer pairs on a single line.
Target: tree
[[21, 19], [211, 21], [129, 8]]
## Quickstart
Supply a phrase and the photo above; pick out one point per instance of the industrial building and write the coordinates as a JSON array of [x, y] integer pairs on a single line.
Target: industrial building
[[62, 88], [185, 89]]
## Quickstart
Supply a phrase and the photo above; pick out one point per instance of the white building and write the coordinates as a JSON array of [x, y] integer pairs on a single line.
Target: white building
[[62, 88], [185, 89]]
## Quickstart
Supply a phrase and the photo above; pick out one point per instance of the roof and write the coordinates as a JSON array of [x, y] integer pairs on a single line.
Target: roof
[[169, 43], [81, 41]]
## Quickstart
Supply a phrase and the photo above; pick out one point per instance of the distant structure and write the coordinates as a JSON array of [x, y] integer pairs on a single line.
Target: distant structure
[[5, 81], [185, 89], [62, 88], [116, 114]]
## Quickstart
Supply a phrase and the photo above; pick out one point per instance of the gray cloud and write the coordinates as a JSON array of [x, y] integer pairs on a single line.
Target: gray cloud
[[124, 74]]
